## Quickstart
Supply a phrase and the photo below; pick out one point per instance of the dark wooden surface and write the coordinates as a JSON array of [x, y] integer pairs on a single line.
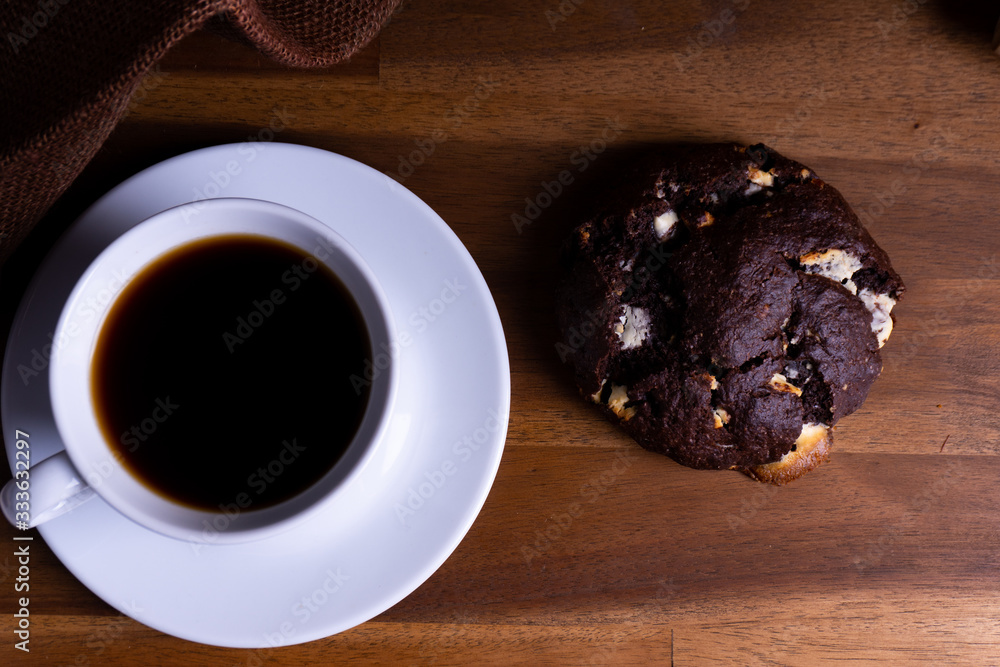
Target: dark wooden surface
[[889, 553]]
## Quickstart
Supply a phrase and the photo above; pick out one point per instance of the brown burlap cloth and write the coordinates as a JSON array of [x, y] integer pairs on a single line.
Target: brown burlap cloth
[[69, 67]]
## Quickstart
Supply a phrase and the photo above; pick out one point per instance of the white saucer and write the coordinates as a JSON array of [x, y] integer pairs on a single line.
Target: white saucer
[[412, 504]]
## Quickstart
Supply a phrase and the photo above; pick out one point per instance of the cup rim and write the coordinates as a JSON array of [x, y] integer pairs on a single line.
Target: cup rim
[[137, 248]]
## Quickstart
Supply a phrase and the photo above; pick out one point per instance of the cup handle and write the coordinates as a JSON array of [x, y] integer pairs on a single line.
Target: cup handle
[[54, 487]]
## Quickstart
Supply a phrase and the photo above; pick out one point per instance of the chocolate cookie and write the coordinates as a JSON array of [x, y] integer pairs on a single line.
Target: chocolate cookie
[[727, 309]]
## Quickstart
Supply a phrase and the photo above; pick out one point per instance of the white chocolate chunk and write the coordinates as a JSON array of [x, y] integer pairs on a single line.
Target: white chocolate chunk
[[762, 178], [838, 265], [720, 416], [596, 396], [752, 189], [663, 224], [879, 305], [780, 383], [616, 400], [810, 435], [810, 449], [633, 327]]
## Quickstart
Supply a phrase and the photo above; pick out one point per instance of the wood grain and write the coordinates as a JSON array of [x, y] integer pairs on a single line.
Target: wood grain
[[589, 550]]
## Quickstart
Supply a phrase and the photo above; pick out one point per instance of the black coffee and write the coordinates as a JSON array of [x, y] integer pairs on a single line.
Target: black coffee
[[230, 372]]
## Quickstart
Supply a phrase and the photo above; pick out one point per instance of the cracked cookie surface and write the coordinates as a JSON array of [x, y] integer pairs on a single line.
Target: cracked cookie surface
[[727, 309]]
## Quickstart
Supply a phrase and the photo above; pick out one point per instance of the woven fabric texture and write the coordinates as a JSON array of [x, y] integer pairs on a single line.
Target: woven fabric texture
[[68, 69]]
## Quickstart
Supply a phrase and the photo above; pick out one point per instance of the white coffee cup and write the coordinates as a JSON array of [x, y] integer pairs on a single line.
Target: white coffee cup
[[90, 465]]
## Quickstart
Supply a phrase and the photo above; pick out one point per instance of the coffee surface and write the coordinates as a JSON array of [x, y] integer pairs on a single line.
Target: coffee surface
[[230, 372]]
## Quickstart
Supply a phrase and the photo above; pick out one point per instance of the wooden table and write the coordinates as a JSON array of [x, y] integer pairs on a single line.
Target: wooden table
[[888, 553]]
